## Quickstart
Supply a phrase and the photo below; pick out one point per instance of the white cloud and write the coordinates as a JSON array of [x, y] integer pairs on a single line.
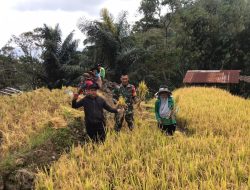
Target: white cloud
[[65, 5], [15, 22], [131, 6]]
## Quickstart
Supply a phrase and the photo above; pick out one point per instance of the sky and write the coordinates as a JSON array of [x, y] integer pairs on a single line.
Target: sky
[[18, 16]]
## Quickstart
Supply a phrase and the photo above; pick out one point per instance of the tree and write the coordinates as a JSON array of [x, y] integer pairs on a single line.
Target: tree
[[60, 59], [30, 44], [208, 32], [25, 51], [151, 11], [110, 42]]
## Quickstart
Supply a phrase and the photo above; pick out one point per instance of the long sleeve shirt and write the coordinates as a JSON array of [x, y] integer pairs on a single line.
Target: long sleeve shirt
[[93, 108], [164, 120]]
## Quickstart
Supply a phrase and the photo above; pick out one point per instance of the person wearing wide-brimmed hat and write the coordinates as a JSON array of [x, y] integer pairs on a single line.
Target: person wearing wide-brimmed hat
[[164, 107], [94, 117]]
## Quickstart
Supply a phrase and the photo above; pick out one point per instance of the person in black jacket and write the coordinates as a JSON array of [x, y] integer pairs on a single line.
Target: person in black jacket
[[93, 108]]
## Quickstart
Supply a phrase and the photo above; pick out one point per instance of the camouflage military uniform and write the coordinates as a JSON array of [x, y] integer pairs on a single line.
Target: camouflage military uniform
[[128, 93]]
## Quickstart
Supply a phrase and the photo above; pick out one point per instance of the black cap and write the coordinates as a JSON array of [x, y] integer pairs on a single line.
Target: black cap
[[94, 86], [124, 72]]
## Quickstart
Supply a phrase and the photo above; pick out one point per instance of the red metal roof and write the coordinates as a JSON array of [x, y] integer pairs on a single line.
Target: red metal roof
[[212, 76]]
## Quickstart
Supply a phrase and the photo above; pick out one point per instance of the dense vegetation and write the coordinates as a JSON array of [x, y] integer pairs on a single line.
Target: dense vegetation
[[159, 48]]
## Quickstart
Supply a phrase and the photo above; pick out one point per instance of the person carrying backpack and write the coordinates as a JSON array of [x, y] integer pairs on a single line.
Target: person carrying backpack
[[164, 110], [85, 83]]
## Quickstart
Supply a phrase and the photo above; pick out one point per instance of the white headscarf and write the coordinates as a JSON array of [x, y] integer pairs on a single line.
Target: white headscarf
[[164, 109]]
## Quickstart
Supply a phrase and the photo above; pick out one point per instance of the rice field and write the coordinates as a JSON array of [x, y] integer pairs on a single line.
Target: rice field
[[23, 116], [211, 150]]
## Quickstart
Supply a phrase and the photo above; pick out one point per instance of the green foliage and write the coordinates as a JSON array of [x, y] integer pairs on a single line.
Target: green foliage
[[205, 34], [210, 29], [60, 59], [23, 53], [110, 42], [149, 9], [172, 37]]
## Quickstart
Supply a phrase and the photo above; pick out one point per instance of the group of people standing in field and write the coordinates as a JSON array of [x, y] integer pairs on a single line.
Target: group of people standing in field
[[95, 75], [94, 105]]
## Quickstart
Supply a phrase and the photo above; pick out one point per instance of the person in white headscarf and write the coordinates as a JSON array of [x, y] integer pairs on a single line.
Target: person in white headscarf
[[164, 108]]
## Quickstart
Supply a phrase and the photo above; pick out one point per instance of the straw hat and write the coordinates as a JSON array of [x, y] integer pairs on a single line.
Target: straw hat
[[164, 89]]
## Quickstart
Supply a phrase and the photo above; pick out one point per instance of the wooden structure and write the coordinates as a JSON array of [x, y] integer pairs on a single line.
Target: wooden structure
[[212, 77], [9, 91], [226, 79]]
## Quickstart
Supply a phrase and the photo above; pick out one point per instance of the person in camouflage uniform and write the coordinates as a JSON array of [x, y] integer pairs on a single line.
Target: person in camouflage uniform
[[128, 92]]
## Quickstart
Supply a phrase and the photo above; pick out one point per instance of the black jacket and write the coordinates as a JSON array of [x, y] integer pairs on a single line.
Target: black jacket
[[93, 108]]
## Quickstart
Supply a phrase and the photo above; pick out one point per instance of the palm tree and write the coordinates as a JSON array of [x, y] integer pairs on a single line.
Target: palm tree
[[60, 58], [111, 42]]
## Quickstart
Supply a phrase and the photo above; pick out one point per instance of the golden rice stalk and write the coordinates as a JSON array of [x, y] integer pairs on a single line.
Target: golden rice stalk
[[121, 102], [142, 92], [218, 145], [58, 123]]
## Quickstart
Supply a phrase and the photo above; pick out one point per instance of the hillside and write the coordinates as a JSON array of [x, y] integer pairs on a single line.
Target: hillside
[[36, 127], [210, 150]]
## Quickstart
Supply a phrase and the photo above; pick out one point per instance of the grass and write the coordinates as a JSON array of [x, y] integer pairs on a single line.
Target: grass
[[10, 160], [32, 121], [25, 116], [215, 155], [61, 138]]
